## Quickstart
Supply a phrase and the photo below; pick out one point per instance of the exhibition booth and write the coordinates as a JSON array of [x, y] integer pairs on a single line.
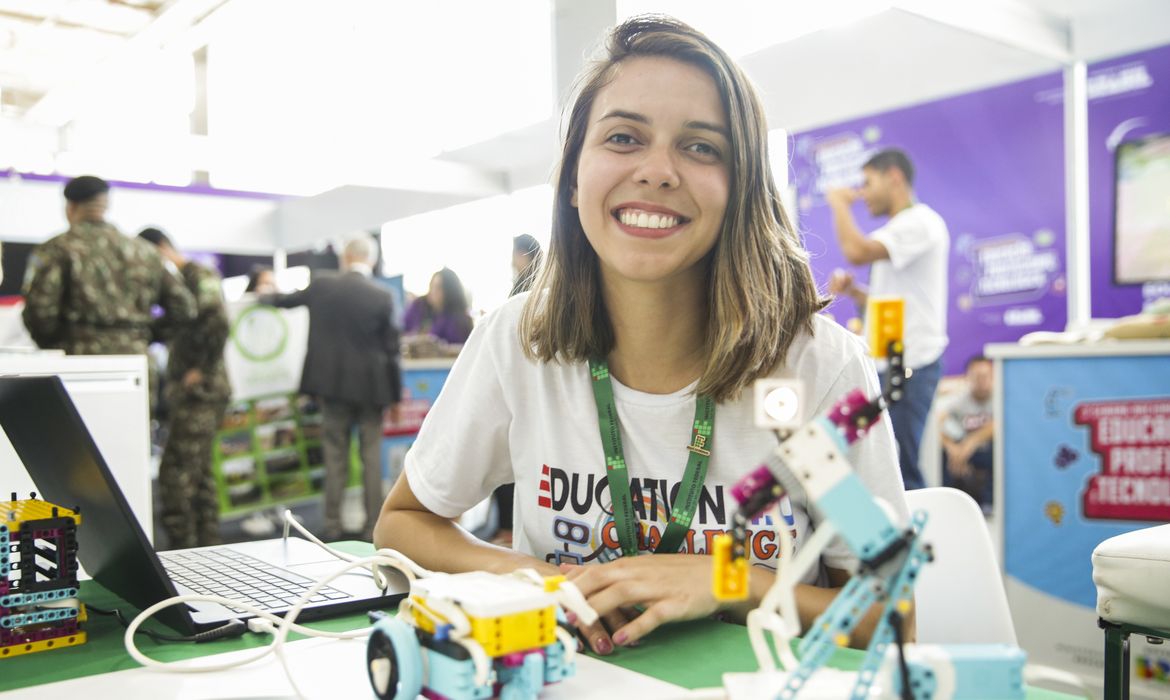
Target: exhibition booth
[[1040, 132]]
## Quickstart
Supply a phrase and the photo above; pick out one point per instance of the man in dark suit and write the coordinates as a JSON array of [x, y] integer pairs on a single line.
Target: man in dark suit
[[352, 367]]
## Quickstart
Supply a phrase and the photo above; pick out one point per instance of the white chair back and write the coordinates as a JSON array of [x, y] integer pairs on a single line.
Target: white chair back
[[960, 597]]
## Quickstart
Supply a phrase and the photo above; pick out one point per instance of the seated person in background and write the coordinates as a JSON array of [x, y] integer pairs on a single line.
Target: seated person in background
[[673, 281], [442, 311], [967, 431]]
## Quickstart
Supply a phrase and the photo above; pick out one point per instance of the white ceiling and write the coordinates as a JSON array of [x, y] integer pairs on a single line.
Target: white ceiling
[[886, 60], [44, 42], [891, 59]]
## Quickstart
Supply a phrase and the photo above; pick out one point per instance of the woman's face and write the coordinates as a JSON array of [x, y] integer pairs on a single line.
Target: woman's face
[[266, 282], [435, 294], [654, 176]]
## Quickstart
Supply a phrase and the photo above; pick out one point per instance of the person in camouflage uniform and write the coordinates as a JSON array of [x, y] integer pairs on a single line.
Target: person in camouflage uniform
[[90, 290], [196, 394]]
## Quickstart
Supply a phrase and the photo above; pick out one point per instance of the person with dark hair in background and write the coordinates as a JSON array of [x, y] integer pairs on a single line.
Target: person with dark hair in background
[[442, 311], [526, 256], [196, 395], [261, 280], [967, 431], [908, 259], [352, 367], [90, 290]]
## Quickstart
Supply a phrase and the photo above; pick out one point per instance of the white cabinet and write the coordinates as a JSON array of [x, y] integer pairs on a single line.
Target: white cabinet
[[111, 394]]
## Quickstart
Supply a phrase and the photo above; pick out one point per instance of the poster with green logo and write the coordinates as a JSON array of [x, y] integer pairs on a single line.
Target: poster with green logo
[[266, 349]]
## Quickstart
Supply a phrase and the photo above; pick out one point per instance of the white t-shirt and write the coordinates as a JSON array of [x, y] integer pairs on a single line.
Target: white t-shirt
[[919, 245], [501, 417]]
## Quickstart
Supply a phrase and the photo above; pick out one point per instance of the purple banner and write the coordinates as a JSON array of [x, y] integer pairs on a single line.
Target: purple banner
[[1128, 98], [990, 163]]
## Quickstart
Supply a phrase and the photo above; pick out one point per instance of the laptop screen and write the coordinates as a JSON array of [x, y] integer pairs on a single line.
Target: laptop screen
[[51, 439]]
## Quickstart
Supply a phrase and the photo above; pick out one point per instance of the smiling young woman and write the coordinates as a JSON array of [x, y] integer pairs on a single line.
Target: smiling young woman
[[615, 389]]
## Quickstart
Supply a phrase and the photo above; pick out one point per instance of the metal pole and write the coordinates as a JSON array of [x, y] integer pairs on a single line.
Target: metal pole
[[1076, 194]]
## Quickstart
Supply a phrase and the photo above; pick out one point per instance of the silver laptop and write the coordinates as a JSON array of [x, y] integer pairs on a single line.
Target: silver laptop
[[61, 457]]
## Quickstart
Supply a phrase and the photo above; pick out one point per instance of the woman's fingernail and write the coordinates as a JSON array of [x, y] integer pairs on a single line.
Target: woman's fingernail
[[620, 638], [571, 618], [603, 646]]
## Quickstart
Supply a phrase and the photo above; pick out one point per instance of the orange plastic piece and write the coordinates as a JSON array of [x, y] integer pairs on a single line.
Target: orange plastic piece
[[729, 579], [885, 319]]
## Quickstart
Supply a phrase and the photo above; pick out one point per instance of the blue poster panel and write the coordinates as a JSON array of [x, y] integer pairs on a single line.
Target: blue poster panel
[[1086, 456]]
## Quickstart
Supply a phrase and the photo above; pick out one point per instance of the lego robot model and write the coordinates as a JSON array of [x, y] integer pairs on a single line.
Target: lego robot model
[[810, 462], [477, 635], [39, 609]]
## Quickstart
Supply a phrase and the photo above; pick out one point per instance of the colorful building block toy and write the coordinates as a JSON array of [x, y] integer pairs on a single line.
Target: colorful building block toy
[[476, 635], [39, 609]]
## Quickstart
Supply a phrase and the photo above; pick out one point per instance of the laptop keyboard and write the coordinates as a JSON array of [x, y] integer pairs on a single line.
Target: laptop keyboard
[[227, 573]]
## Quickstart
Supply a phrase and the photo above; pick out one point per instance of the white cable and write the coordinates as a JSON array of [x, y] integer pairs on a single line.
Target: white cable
[[403, 563], [442, 611], [569, 642], [567, 595], [55, 604], [195, 667], [461, 625], [453, 614], [483, 663], [529, 575], [479, 657], [290, 617], [284, 626], [782, 596]]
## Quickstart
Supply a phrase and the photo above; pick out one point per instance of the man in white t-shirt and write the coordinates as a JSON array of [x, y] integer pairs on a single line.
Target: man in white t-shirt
[[908, 259]]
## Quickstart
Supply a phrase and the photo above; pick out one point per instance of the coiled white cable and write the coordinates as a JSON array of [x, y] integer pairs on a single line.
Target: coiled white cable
[[461, 625], [283, 627], [777, 612], [404, 563]]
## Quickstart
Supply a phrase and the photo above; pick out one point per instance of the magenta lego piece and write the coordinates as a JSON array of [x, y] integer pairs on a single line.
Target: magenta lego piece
[[512, 660], [843, 409], [432, 695], [516, 658], [63, 629], [749, 485]]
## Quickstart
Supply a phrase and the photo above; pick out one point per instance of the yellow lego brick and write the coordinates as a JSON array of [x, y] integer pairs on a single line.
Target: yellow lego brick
[[422, 619], [43, 645], [15, 513], [729, 580], [885, 318], [552, 584], [507, 634]]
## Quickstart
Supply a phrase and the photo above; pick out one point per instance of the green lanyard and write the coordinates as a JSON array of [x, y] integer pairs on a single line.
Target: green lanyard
[[691, 489]]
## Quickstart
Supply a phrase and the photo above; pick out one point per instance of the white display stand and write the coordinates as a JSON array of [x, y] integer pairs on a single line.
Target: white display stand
[[112, 394]]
